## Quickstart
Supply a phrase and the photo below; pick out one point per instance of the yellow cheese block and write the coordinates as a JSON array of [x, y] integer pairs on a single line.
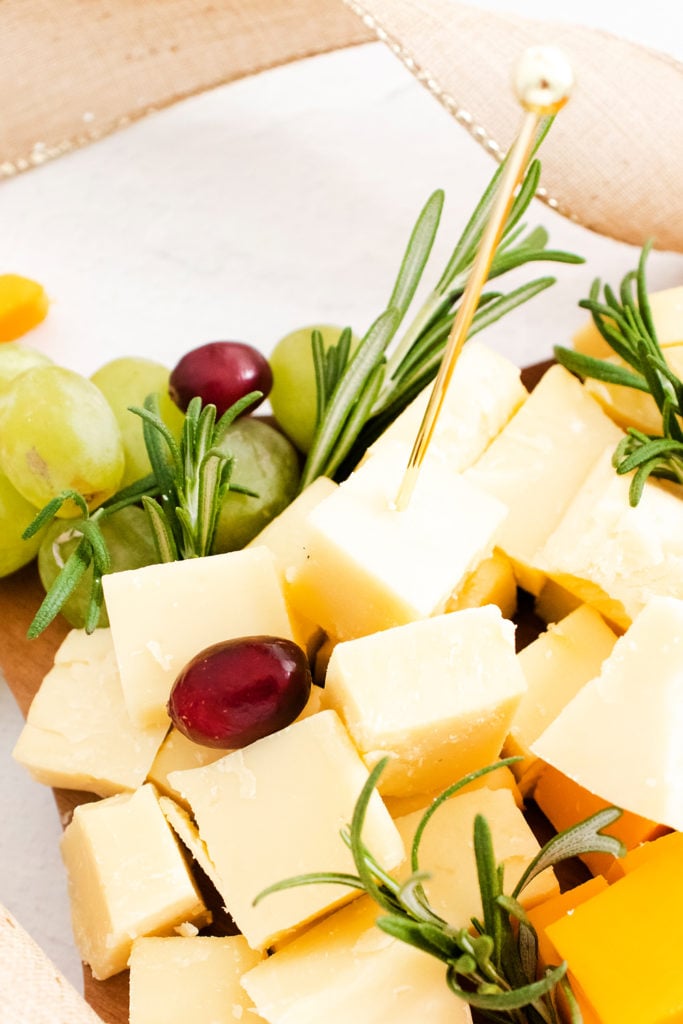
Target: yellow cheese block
[[274, 809], [538, 461], [603, 939], [436, 696], [484, 392], [447, 853], [492, 582], [177, 980], [127, 878], [613, 556], [345, 969], [285, 537], [667, 313], [502, 778], [187, 832], [78, 734], [629, 407], [628, 719], [555, 666], [176, 754], [371, 567], [162, 615]]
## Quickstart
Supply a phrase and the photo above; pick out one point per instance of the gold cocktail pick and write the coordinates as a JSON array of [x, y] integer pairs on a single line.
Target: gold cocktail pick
[[542, 80]]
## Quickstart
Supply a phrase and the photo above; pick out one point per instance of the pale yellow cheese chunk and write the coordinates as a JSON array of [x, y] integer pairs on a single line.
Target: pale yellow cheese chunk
[[492, 582], [285, 537], [176, 754], [435, 696], [483, 394], [538, 461], [629, 407], [370, 566], [613, 556], [667, 313], [556, 665], [127, 878], [191, 981], [346, 970], [621, 737], [78, 734], [274, 809], [187, 832], [163, 615], [446, 853]]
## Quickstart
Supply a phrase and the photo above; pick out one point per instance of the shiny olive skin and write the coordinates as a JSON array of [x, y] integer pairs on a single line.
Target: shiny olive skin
[[240, 690], [220, 373]]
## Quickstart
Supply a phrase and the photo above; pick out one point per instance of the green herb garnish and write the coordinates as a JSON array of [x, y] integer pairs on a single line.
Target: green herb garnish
[[359, 395], [625, 322], [492, 966], [182, 498]]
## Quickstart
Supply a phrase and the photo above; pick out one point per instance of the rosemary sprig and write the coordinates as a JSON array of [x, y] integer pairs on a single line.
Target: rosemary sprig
[[494, 965], [182, 498], [625, 322], [359, 396]]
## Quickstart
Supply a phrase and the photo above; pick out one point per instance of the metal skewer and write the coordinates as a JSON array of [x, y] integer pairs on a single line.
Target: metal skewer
[[542, 79]]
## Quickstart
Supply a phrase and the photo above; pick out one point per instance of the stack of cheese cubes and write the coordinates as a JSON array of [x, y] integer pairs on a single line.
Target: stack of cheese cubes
[[409, 612]]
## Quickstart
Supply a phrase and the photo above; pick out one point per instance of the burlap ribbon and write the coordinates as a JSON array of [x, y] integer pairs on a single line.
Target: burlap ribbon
[[33, 990], [74, 71]]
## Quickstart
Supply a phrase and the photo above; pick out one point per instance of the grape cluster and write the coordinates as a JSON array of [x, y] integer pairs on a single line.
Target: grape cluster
[[62, 431]]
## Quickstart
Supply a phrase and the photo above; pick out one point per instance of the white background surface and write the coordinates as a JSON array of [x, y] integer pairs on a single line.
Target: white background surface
[[281, 200]]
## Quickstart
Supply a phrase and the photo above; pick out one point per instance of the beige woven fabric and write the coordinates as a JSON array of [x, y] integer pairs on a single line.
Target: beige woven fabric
[[614, 158], [75, 70], [78, 69], [33, 990]]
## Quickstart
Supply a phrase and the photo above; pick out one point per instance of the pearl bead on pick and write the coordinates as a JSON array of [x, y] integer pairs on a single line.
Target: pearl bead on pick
[[542, 80]]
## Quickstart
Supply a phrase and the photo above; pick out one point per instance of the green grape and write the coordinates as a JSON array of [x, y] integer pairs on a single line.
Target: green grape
[[265, 463], [57, 432], [293, 397], [15, 515], [15, 359], [129, 542], [127, 381]]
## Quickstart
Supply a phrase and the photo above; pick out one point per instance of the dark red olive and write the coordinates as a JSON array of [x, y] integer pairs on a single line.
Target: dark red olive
[[220, 372], [235, 692]]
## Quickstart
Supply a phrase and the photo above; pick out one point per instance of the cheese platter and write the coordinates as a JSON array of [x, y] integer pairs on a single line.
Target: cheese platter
[[508, 545]]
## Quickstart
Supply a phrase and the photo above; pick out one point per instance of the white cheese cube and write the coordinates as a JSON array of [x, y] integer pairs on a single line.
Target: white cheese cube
[[127, 878], [274, 809], [613, 556], [483, 394], [436, 696], [345, 969], [538, 461], [285, 537], [555, 666], [621, 737], [78, 734], [177, 980], [370, 566], [162, 615], [447, 853]]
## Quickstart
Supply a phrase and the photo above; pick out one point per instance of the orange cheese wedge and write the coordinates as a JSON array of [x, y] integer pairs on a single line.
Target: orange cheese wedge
[[23, 305]]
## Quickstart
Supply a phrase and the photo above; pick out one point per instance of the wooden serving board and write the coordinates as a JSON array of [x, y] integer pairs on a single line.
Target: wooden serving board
[[24, 664]]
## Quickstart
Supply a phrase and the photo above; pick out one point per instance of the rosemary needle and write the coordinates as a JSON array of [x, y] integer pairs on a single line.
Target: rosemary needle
[[492, 965], [625, 322]]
